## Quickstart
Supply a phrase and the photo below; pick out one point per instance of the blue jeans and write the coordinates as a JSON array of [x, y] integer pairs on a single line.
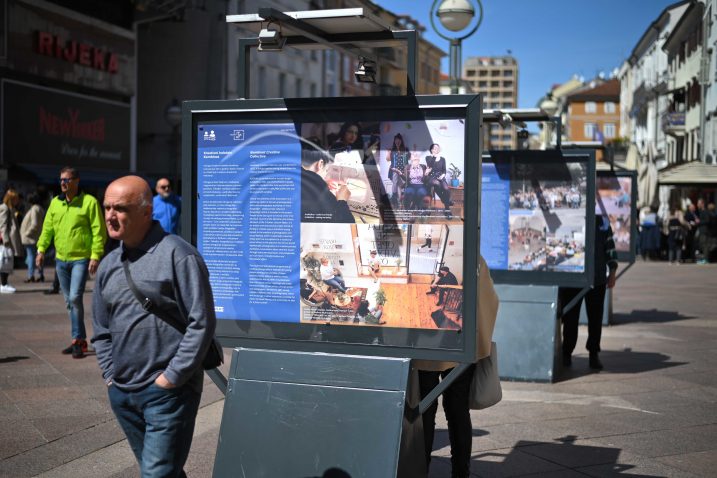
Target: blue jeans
[[336, 282], [30, 253], [159, 425], [73, 276]]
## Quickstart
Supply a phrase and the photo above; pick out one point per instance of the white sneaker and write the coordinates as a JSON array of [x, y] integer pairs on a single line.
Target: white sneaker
[[7, 289]]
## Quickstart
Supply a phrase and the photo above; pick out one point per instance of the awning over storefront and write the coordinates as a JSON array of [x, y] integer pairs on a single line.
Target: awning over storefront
[[694, 173]]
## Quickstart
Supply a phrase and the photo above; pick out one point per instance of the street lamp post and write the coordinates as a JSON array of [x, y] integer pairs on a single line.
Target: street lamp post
[[550, 107], [456, 15]]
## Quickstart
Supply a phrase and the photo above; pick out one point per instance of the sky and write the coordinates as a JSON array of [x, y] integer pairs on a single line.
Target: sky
[[551, 39]]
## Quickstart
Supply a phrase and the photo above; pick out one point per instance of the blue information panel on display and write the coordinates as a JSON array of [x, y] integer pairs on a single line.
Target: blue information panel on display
[[251, 259], [536, 216], [339, 225]]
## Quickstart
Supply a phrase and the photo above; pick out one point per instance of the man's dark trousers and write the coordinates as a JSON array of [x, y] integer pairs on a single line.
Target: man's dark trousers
[[594, 306]]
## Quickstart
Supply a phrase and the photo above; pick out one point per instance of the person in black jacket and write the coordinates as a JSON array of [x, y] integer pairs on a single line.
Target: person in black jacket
[[436, 179], [605, 268], [444, 277], [318, 203]]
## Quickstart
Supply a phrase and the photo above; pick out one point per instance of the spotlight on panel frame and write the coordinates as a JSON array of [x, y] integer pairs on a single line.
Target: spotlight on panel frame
[[366, 71], [271, 39]]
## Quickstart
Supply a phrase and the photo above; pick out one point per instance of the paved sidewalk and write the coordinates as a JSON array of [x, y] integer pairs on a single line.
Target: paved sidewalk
[[651, 413]]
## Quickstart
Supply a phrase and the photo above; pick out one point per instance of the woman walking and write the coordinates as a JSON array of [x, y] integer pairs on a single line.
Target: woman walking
[[9, 234], [30, 230]]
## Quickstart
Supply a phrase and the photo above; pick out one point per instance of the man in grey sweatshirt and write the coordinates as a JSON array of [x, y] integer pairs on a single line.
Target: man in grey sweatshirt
[[152, 370]]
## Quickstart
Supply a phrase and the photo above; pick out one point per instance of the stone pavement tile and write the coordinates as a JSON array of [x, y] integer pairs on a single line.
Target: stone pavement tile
[[20, 369], [571, 454], [32, 381], [53, 428], [665, 442], [44, 393], [518, 411], [629, 465], [18, 435], [703, 463], [115, 460], [63, 450], [510, 462], [76, 408], [8, 410]]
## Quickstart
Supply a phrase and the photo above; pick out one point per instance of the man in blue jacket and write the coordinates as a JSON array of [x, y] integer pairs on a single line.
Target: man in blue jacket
[[152, 370], [167, 206]]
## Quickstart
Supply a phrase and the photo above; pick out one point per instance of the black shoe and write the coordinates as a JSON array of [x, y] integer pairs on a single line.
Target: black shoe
[[82, 344], [567, 360], [595, 362], [77, 351], [51, 292]]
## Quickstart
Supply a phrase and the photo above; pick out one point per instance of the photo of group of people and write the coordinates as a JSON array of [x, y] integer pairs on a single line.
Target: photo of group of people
[[397, 172], [547, 218], [614, 200], [382, 275]]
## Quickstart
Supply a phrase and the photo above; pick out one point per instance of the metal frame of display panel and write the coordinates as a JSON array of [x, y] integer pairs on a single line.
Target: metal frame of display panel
[[559, 278], [630, 255], [415, 343]]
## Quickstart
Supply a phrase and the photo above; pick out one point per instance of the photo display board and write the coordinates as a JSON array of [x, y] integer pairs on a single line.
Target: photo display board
[[340, 224], [616, 198], [537, 220]]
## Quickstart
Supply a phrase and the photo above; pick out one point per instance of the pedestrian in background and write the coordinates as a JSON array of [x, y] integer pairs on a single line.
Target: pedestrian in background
[[74, 223], [9, 233], [456, 396], [30, 230], [166, 206], [676, 233], [692, 221], [153, 371], [605, 265]]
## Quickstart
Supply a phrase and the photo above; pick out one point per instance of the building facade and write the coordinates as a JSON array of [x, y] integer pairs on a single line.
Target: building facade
[[593, 112], [497, 79], [67, 80], [681, 122]]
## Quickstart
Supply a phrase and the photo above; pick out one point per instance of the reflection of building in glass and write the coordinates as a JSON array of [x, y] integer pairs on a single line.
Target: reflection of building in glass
[[404, 277]]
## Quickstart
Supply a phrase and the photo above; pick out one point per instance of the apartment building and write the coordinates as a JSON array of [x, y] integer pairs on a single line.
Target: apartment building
[[496, 78], [594, 112]]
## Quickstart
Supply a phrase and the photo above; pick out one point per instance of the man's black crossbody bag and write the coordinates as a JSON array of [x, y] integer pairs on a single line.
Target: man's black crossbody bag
[[214, 357]]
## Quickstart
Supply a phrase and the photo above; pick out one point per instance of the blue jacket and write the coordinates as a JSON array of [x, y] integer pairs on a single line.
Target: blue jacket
[[167, 212]]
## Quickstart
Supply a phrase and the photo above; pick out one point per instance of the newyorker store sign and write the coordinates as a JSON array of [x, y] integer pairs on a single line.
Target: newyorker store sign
[[52, 127]]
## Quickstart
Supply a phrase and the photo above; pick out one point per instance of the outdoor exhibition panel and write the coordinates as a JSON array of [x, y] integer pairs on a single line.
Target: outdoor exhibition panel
[[616, 198], [538, 217], [291, 196]]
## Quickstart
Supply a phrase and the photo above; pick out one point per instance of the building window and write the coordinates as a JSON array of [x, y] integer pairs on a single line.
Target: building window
[[507, 84], [508, 73], [282, 85], [299, 86], [609, 107], [312, 90], [470, 73], [589, 131], [495, 83], [590, 107], [482, 84], [609, 130]]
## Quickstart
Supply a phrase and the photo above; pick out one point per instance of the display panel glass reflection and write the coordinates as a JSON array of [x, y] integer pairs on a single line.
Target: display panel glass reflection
[[336, 227], [616, 199], [534, 215]]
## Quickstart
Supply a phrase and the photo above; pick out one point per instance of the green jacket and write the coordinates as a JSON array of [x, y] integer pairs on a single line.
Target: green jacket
[[77, 229]]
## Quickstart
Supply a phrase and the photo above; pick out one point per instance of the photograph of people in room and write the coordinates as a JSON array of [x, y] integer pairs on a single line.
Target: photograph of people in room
[[435, 193], [374, 275], [547, 221], [352, 171], [613, 200], [321, 200]]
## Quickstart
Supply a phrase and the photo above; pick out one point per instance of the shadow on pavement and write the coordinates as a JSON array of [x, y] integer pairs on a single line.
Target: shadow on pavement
[[623, 361], [14, 358], [653, 316], [521, 460]]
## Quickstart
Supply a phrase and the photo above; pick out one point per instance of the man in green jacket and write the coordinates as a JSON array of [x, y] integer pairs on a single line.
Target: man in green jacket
[[74, 222]]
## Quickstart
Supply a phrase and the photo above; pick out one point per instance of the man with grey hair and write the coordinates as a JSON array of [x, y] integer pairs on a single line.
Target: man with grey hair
[[153, 370]]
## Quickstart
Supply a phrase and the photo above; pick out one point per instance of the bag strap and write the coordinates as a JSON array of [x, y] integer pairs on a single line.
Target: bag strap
[[147, 303]]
